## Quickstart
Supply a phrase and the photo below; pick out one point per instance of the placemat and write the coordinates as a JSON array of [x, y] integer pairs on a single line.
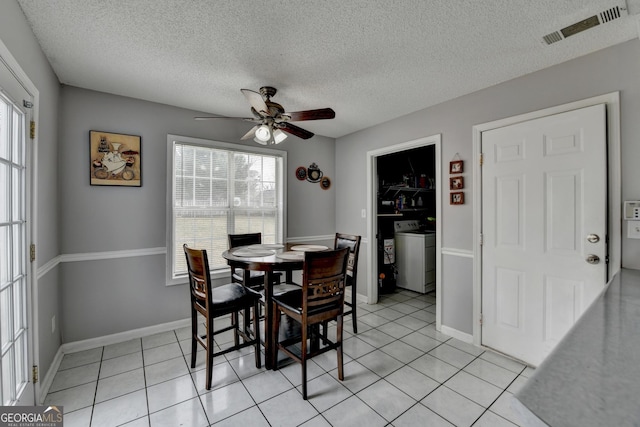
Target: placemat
[[296, 256], [309, 248], [246, 252], [266, 246]]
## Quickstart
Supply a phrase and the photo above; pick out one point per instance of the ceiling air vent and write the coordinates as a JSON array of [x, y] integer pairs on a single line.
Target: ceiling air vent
[[552, 38], [593, 21], [610, 15]]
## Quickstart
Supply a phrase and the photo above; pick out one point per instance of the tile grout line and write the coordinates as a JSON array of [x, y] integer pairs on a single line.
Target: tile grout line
[[95, 394]]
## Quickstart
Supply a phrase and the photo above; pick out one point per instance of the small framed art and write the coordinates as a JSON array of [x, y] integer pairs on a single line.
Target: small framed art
[[456, 183], [456, 198], [455, 166], [115, 159]]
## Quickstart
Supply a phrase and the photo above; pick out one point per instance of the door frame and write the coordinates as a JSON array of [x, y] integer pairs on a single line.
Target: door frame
[[614, 185], [372, 212], [32, 195]]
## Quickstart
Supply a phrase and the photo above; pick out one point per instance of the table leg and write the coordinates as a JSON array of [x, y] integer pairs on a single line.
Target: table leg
[[270, 336]]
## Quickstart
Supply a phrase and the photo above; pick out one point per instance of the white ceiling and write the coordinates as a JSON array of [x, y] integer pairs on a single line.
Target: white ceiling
[[369, 60]]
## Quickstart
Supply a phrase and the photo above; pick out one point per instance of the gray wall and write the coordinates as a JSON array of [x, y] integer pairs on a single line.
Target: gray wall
[[16, 35], [106, 296], [613, 69]]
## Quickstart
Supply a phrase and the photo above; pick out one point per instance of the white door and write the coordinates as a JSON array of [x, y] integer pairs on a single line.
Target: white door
[[15, 294], [543, 196]]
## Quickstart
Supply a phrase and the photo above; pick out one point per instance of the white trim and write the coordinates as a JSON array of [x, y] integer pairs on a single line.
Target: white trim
[[47, 380], [310, 238], [612, 100], [172, 140], [362, 299], [32, 215], [372, 259], [457, 252], [130, 253], [50, 265], [454, 333], [94, 256], [92, 343], [119, 337]]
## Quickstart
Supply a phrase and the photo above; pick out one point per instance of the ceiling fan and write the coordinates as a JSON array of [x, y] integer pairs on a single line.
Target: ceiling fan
[[271, 119]]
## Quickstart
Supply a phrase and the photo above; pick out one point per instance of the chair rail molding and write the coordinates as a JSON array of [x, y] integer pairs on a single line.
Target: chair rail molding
[[457, 252]]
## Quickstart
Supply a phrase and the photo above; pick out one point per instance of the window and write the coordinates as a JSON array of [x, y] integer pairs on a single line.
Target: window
[[217, 189]]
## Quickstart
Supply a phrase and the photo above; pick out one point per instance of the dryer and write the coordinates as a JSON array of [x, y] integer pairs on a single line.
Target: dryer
[[415, 257]]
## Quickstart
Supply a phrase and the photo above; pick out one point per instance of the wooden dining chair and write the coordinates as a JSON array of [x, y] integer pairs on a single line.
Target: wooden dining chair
[[321, 299], [250, 279], [213, 303], [353, 243]]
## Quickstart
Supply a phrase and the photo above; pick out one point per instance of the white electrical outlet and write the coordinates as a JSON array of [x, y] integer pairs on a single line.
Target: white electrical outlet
[[53, 324], [633, 229], [364, 213]]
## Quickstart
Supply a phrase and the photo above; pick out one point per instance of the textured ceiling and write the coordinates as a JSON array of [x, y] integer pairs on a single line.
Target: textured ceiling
[[369, 60]]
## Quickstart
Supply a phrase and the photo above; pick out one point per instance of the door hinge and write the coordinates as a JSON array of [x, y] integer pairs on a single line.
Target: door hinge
[[34, 373], [481, 159], [481, 239], [481, 319], [32, 129], [32, 252]]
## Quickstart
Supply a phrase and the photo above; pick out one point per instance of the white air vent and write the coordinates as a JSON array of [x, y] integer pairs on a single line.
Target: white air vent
[[553, 37], [610, 15], [588, 23]]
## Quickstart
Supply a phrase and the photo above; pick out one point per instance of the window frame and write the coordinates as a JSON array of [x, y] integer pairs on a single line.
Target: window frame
[[172, 140]]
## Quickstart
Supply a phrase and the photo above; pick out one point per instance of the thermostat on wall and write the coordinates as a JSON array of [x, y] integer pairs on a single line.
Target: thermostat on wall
[[632, 210]]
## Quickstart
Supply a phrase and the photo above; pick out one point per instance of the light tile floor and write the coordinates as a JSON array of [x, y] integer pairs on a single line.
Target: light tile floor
[[399, 371]]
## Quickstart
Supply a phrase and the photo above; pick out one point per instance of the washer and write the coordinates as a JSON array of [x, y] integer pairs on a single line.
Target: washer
[[415, 257]]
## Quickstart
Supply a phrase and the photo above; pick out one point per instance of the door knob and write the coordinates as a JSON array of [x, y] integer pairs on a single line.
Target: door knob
[[593, 259], [593, 238]]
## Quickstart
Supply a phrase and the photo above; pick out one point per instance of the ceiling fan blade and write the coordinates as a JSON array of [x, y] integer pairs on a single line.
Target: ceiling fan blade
[[223, 117], [246, 119], [295, 130], [251, 133], [213, 117], [319, 114], [256, 101]]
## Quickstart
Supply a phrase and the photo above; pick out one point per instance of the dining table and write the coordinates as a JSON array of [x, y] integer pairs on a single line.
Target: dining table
[[270, 258]]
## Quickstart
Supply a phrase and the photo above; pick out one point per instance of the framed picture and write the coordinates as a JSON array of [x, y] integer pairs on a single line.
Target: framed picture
[[456, 183], [115, 159], [455, 166], [456, 198]]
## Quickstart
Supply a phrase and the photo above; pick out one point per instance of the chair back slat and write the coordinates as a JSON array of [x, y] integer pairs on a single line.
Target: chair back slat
[[353, 243], [324, 279], [246, 239], [199, 275]]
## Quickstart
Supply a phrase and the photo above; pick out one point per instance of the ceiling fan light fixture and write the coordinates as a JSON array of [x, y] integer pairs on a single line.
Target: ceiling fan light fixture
[[279, 136], [263, 134]]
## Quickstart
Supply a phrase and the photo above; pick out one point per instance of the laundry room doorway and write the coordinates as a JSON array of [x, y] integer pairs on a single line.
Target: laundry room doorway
[[404, 197]]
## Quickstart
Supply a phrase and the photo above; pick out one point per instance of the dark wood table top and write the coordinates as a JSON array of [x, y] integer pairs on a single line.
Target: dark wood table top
[[271, 262]]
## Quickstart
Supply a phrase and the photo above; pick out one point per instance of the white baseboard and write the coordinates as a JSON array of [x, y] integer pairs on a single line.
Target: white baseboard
[[462, 336], [46, 382], [76, 346], [73, 347]]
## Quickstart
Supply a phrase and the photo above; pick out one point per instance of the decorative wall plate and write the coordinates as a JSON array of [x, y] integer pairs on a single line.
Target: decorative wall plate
[[301, 173], [314, 174], [325, 183]]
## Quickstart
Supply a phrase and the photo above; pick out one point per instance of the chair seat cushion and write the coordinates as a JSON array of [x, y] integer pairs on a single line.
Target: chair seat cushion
[[285, 288], [292, 300], [230, 296]]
